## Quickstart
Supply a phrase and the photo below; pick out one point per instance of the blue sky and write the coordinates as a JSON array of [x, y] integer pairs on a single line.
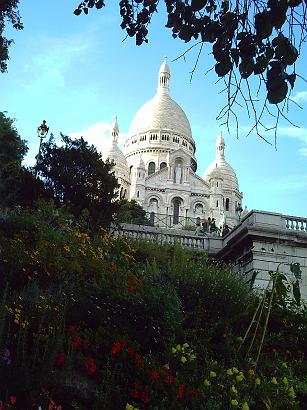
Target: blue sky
[[78, 73]]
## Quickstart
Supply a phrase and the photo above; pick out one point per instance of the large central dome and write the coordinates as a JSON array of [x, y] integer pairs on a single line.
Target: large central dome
[[161, 113]]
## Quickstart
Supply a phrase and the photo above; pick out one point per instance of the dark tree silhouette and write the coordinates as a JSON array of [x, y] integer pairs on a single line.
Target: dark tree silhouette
[[249, 39], [79, 179]]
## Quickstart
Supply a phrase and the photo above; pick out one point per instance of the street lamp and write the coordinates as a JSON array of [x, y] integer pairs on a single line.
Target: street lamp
[[42, 132], [239, 210]]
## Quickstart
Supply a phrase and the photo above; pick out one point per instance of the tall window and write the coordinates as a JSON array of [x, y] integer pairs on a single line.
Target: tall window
[[227, 204], [151, 168], [176, 205], [163, 165]]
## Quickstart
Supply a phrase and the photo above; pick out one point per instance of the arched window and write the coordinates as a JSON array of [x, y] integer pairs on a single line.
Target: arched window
[[163, 165], [176, 206], [227, 204], [151, 168]]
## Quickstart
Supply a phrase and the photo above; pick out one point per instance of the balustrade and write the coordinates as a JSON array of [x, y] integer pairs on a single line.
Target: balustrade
[[295, 224]]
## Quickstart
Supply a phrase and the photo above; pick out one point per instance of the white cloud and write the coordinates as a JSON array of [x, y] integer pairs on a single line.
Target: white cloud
[[99, 134], [300, 96], [48, 67]]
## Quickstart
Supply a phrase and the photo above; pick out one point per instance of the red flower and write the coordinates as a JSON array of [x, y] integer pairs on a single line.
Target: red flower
[[71, 329], [131, 289], [1, 405], [145, 397], [59, 359], [180, 390], [90, 366], [141, 281], [130, 350], [116, 348], [188, 392], [76, 342], [51, 405], [114, 267], [98, 346], [13, 399], [154, 375], [138, 360], [134, 393], [169, 379]]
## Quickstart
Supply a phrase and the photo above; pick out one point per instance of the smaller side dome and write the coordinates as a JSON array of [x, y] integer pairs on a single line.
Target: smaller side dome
[[116, 155], [220, 168]]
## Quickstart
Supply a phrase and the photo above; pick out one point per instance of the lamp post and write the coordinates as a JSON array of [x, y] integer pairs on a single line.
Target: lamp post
[[42, 132], [239, 211]]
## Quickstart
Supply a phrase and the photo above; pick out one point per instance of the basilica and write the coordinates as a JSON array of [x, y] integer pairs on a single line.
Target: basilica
[[157, 167]]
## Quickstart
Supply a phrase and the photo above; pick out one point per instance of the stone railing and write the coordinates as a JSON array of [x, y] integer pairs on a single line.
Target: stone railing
[[187, 239], [294, 223]]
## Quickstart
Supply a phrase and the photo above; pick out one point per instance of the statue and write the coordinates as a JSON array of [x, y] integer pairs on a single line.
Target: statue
[[178, 172]]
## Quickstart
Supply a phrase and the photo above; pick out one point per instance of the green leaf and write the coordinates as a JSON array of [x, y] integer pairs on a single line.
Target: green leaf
[[291, 79], [223, 67], [198, 4], [77, 12], [296, 270], [278, 93], [297, 292]]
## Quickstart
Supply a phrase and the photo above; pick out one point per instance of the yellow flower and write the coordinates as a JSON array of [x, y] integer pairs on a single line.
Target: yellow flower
[[212, 374], [129, 407], [239, 378], [234, 403], [192, 357], [239, 339], [166, 366], [251, 372], [245, 406], [185, 345], [178, 348], [174, 350], [291, 393], [66, 248], [285, 381], [229, 372], [274, 381], [235, 370], [233, 390], [257, 381], [183, 359], [207, 382]]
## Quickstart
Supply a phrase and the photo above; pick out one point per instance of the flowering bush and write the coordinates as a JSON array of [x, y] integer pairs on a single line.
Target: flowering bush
[[90, 321]]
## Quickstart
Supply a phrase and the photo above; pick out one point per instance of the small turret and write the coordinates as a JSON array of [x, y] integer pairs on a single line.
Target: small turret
[[220, 148], [115, 131], [164, 77]]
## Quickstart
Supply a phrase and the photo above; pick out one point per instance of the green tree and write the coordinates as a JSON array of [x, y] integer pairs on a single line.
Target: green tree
[[131, 212], [8, 13], [12, 151], [79, 179]]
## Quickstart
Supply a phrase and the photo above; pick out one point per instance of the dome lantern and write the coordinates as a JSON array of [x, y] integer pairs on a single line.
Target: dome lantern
[[164, 77]]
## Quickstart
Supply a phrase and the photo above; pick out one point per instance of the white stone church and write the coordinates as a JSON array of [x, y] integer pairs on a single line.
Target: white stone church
[[157, 167]]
